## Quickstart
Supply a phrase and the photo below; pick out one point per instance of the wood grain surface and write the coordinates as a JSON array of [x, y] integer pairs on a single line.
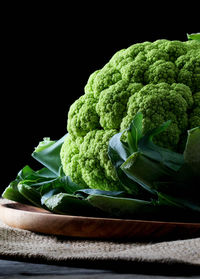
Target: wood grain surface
[[39, 220]]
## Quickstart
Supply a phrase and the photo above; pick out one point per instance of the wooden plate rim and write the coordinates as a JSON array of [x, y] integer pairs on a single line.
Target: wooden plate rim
[[38, 211]]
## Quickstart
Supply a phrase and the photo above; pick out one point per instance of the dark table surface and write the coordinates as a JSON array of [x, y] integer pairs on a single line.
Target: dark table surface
[[16, 269]]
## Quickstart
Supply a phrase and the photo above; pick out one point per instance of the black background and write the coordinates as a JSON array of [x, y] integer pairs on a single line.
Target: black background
[[48, 53]]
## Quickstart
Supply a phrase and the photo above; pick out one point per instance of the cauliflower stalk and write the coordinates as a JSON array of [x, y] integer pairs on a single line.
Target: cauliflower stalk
[[161, 79]]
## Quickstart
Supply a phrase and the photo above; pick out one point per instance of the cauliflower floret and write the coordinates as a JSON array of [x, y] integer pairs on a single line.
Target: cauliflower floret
[[82, 116], [174, 49], [112, 103], [160, 79], [87, 162], [189, 69], [105, 78], [159, 103], [70, 159], [161, 71]]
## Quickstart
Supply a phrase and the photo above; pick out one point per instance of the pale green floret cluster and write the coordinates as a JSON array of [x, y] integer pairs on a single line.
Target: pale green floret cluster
[[160, 79]]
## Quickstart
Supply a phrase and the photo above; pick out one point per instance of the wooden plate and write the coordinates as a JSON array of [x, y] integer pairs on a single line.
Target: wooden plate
[[39, 220]]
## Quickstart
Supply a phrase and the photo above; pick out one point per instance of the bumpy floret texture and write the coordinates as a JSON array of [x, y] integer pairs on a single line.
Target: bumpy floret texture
[[161, 79], [86, 160]]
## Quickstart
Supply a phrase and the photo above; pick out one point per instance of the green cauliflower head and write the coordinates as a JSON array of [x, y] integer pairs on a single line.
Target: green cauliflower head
[[161, 79]]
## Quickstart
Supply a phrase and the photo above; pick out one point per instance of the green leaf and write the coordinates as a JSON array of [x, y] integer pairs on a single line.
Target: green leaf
[[189, 205], [135, 132], [44, 144], [164, 156], [12, 193], [65, 183], [63, 203], [192, 151], [118, 153], [143, 170], [123, 207], [185, 183], [87, 192], [49, 194], [24, 173], [29, 193], [147, 162], [45, 173], [49, 155], [60, 184], [33, 187], [194, 36], [117, 150], [69, 186]]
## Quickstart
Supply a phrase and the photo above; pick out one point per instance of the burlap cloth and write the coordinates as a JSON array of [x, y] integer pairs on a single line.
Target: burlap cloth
[[29, 246]]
